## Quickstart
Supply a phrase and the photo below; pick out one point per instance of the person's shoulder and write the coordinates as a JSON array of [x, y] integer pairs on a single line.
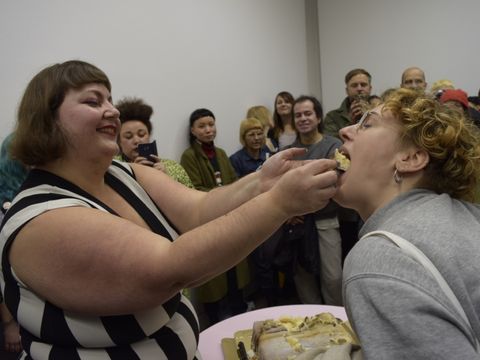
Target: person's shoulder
[[238, 155], [188, 153], [170, 163], [332, 140], [220, 152], [375, 255], [333, 112], [294, 144]]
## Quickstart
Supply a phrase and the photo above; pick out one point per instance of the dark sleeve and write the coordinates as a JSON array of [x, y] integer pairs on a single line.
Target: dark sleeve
[[228, 172], [330, 125], [236, 164]]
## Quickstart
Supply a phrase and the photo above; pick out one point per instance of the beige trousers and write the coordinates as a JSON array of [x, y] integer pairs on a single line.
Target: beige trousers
[[330, 290]]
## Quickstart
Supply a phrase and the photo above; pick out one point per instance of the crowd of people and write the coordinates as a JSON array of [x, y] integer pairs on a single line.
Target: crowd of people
[[174, 247]]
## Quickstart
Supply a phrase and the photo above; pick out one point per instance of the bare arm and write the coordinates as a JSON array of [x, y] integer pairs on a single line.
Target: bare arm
[[205, 206], [114, 266]]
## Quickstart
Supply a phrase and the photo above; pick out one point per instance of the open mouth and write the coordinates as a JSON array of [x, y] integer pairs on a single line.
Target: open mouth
[[342, 159]]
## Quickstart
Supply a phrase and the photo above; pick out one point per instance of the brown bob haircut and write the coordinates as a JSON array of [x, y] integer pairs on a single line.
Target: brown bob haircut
[[39, 138]]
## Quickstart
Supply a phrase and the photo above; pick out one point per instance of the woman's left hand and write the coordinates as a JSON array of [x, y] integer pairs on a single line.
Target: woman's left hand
[[277, 165]]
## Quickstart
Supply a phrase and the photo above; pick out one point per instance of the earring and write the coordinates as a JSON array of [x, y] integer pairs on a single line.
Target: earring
[[397, 177]]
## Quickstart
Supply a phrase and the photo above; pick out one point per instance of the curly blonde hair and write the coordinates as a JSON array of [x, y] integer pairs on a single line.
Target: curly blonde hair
[[451, 140]]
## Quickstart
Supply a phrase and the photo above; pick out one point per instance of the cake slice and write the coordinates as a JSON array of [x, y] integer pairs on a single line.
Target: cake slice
[[342, 161]]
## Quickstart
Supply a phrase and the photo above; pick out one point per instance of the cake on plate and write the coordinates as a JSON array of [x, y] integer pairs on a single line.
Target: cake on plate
[[289, 338]]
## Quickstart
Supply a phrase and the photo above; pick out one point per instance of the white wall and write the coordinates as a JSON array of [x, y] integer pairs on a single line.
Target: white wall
[[178, 55], [228, 55], [387, 36]]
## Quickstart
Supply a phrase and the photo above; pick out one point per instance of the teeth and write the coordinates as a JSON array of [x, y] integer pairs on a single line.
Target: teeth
[[107, 131]]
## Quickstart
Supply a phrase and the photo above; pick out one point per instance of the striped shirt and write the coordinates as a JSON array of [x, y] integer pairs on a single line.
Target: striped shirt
[[169, 331]]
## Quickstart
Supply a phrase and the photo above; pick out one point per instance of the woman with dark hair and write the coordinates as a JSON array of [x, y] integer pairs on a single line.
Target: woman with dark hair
[[136, 129], [95, 252], [283, 130], [209, 167]]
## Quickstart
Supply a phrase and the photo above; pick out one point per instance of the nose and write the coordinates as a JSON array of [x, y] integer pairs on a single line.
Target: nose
[[347, 133], [111, 112]]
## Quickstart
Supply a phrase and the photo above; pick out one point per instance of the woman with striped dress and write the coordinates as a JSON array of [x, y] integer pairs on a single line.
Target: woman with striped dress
[[95, 252]]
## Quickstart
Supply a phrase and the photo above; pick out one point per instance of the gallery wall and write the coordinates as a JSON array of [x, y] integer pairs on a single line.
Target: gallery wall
[[225, 55]]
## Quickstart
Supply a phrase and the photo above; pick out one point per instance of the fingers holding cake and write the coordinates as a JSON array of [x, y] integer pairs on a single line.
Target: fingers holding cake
[[312, 185]]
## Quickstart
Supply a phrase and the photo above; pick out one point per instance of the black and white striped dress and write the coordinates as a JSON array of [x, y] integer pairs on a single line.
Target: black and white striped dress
[[169, 331]]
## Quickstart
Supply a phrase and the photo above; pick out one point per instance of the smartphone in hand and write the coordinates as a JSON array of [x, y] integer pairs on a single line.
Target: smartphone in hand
[[145, 150]]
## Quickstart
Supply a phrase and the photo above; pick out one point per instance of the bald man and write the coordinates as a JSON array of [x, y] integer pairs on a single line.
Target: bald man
[[414, 78]]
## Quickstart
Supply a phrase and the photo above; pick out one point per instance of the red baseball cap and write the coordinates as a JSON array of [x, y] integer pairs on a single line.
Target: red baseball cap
[[455, 95]]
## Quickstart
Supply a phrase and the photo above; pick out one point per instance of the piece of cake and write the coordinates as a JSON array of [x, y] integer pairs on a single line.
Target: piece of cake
[[289, 337], [342, 161]]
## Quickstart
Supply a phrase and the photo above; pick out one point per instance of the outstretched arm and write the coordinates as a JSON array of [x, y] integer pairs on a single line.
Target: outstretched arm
[[115, 266], [203, 206]]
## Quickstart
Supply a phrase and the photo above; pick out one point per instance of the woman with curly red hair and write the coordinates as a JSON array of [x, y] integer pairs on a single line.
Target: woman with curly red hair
[[415, 166]]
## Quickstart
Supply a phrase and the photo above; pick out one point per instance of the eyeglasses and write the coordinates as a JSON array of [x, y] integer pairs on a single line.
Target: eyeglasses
[[363, 118]]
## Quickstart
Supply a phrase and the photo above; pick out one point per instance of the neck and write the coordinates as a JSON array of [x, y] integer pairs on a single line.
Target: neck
[[206, 144], [286, 121], [254, 153], [311, 138], [88, 175]]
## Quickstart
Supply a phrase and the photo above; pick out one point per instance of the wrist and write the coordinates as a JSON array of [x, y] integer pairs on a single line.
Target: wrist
[[279, 209]]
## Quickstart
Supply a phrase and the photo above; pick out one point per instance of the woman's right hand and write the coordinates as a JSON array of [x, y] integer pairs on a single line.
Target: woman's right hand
[[307, 188]]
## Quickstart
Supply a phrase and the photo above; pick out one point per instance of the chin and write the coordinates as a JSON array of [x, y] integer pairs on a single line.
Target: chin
[[341, 199]]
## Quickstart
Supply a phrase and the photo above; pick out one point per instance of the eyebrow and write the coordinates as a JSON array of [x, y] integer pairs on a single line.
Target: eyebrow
[[99, 94]]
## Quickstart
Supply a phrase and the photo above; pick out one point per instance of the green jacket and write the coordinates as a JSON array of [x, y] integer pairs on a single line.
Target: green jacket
[[201, 172], [337, 119]]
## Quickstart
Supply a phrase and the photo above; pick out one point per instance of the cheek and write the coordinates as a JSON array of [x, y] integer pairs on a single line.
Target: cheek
[[374, 162], [194, 131], [126, 144]]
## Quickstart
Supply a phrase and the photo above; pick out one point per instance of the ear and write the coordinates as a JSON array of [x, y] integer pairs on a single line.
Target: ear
[[412, 160]]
